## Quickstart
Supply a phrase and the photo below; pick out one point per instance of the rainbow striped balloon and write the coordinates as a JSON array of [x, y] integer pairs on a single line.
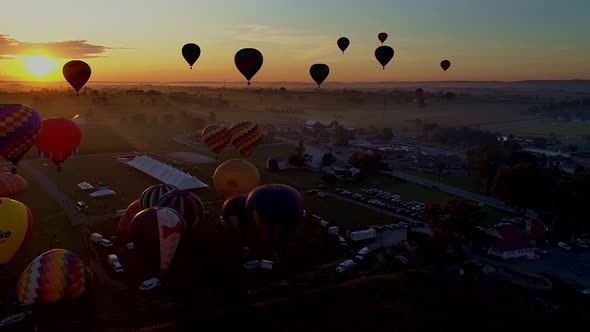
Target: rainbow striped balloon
[[56, 275], [151, 195], [19, 129], [216, 137], [245, 136]]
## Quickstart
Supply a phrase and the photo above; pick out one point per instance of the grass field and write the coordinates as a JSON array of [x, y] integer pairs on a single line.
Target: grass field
[[541, 128], [466, 182]]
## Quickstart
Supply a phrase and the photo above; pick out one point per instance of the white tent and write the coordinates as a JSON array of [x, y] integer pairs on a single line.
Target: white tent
[[85, 186], [104, 192], [166, 173]]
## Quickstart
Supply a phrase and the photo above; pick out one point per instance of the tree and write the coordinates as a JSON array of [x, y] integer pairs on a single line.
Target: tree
[[456, 217], [439, 166], [540, 142], [300, 159], [570, 205], [572, 148], [486, 160], [387, 134], [523, 185], [328, 159]]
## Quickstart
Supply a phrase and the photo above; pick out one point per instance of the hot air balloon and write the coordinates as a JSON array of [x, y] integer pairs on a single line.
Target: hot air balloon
[[384, 54], [248, 61], [234, 177], [235, 216], [216, 137], [382, 36], [77, 73], [12, 184], [445, 64], [343, 43], [156, 233], [191, 53], [319, 72], [19, 129], [56, 275], [276, 209], [59, 139], [15, 228], [245, 137], [124, 224], [187, 204], [419, 92], [151, 195]]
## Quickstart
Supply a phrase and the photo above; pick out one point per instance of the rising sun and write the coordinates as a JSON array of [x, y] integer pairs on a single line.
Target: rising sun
[[40, 65]]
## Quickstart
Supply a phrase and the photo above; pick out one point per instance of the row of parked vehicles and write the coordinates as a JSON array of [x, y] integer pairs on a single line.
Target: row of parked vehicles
[[388, 201]]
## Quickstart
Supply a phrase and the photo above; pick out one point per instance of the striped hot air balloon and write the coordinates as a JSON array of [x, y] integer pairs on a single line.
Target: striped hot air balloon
[[216, 137], [151, 195], [56, 275], [19, 129], [124, 224], [12, 184], [245, 136], [187, 204]]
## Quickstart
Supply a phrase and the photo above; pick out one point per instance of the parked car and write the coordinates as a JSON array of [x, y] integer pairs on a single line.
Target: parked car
[[114, 262], [95, 237], [580, 244], [106, 243], [252, 265], [401, 259], [531, 257], [362, 254], [322, 194], [150, 284], [342, 241], [564, 245], [345, 266]]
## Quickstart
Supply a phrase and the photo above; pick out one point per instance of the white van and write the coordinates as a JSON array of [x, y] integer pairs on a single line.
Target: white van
[[114, 261], [150, 284], [401, 259], [267, 265], [345, 266], [324, 223], [362, 254], [95, 237], [252, 265], [333, 230]]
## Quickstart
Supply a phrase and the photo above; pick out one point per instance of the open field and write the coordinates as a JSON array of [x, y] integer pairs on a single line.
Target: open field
[[463, 181], [541, 128]]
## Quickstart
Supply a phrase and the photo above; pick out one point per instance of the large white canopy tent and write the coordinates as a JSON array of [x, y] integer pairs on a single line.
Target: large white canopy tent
[[166, 173]]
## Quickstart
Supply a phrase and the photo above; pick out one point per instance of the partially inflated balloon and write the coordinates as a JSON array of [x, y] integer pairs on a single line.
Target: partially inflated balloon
[[235, 216], [156, 232], [234, 177], [384, 54], [419, 92], [77, 73], [319, 72], [445, 64], [187, 204], [343, 43], [15, 228], [382, 36], [248, 61], [245, 137], [56, 275], [19, 129], [124, 224], [191, 53], [216, 137], [12, 184], [151, 195], [59, 139]]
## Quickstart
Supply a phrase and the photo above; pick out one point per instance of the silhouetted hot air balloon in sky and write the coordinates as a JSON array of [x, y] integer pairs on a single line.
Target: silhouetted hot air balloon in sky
[[419, 92], [124, 224], [151, 195], [56, 275], [234, 177], [187, 204], [15, 228], [343, 43], [445, 64], [245, 137], [77, 73], [216, 137], [59, 139], [319, 72], [384, 54], [12, 184], [191, 53], [248, 61], [20, 126], [382, 36]]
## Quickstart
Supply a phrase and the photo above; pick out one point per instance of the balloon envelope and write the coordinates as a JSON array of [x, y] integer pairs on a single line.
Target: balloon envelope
[[56, 275], [59, 139], [15, 228], [419, 92], [12, 184], [234, 177], [382, 36], [124, 224], [319, 72], [384, 54], [343, 43], [191, 53], [151, 195], [20, 126], [77, 73], [187, 204], [234, 212], [216, 137], [248, 61], [245, 137], [156, 232], [445, 64]]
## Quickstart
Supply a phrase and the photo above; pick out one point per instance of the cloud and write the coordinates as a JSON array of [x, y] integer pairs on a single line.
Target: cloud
[[266, 34], [80, 49]]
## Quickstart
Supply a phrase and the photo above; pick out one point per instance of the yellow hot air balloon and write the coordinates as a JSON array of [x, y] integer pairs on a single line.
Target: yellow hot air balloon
[[15, 228], [234, 177]]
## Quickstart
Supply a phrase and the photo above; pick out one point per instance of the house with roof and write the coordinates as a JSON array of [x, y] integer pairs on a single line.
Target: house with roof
[[313, 124], [506, 241]]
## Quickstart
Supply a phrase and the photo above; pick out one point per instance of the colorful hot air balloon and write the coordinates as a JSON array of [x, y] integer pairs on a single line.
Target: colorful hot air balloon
[[151, 195], [382, 36], [77, 73], [276, 209], [319, 72], [15, 228], [384, 54], [156, 233], [248, 61], [343, 43], [187, 204], [12, 184], [191, 53], [56, 275], [245, 136], [419, 92], [216, 137], [59, 139], [19, 129], [234, 214], [124, 224], [445, 64], [234, 177]]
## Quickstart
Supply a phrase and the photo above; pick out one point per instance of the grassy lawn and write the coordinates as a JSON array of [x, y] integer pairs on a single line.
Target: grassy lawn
[[541, 128], [463, 181]]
